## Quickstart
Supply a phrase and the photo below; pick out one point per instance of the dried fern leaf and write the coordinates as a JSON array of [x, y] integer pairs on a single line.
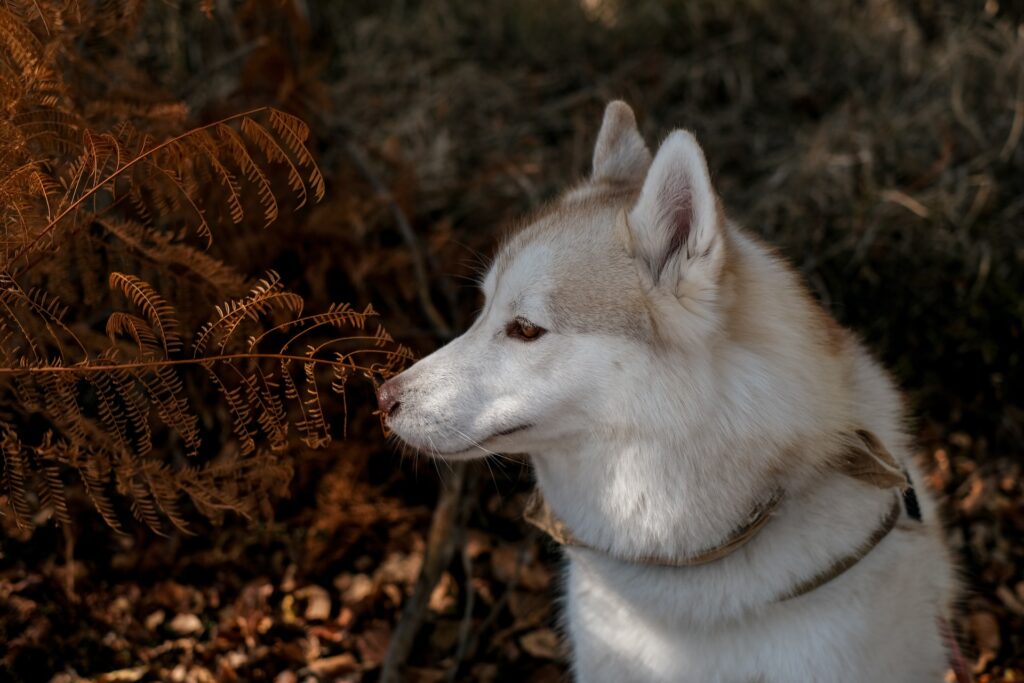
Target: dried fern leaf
[[165, 390], [52, 492], [94, 483], [138, 329], [240, 412], [317, 433], [274, 153], [266, 295], [251, 170], [160, 249], [166, 492], [136, 409], [158, 311], [16, 477]]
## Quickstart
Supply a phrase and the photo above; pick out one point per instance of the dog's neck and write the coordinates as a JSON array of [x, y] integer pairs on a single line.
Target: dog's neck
[[647, 498]]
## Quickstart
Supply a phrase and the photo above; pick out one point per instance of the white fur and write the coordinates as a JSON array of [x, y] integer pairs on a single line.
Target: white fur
[[658, 439]]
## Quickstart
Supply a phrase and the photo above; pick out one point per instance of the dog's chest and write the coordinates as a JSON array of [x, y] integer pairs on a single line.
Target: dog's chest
[[876, 622]]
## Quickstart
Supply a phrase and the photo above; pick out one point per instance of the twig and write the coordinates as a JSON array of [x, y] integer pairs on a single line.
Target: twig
[[69, 563], [419, 259], [474, 642], [448, 515], [203, 77], [465, 628]]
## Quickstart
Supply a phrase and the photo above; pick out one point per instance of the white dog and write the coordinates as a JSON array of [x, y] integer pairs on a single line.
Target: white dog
[[726, 466]]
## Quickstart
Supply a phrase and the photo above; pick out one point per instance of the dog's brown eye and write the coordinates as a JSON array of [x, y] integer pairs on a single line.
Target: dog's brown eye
[[524, 329]]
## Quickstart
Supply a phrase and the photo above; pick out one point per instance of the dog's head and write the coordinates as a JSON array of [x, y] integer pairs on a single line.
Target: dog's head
[[583, 304]]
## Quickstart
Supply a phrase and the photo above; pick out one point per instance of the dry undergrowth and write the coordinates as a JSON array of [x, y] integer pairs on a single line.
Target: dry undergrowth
[[111, 345]]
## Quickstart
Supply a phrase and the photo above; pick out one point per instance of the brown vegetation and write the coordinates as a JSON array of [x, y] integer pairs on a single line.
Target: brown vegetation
[[98, 180]]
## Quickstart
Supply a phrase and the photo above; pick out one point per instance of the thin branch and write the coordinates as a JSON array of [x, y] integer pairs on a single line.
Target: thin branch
[[408, 235], [449, 515], [466, 626]]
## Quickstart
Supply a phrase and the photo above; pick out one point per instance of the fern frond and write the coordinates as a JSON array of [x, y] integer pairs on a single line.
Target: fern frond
[[94, 480], [251, 170], [160, 249], [136, 409], [170, 203], [318, 435], [91, 178], [61, 399], [9, 317], [143, 507], [18, 44], [227, 179], [339, 385], [47, 310], [157, 310], [52, 492], [240, 412], [272, 418], [15, 477], [111, 416], [273, 151], [139, 330], [165, 491], [123, 183], [337, 315], [27, 394], [267, 295], [165, 389], [295, 133]]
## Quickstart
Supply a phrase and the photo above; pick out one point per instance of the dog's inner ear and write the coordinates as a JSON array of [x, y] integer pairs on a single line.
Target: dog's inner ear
[[674, 227], [620, 154]]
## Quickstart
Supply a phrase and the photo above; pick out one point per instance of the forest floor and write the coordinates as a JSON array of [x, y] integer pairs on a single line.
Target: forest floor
[[316, 594]]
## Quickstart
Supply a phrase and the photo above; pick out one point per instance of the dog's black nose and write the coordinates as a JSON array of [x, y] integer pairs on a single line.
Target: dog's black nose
[[388, 397]]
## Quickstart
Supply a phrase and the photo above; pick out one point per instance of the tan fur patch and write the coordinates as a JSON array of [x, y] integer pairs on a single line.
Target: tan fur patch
[[596, 288]]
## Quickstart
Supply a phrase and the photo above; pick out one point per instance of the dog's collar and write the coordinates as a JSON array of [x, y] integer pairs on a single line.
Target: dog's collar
[[839, 567], [865, 459], [540, 515]]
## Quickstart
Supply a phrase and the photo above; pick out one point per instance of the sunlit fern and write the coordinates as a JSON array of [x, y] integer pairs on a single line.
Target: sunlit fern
[[104, 377]]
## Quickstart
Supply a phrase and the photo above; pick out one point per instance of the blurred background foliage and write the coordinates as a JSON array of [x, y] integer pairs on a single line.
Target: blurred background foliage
[[877, 143]]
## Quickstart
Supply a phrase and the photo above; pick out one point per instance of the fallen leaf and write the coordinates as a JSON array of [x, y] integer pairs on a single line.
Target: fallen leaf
[[354, 588], [288, 609], [543, 643], [154, 620], [984, 631], [328, 666], [318, 607], [185, 624], [444, 598], [123, 675], [399, 568]]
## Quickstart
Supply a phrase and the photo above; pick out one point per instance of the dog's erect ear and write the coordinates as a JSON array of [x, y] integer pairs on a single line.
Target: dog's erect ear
[[620, 153], [674, 227]]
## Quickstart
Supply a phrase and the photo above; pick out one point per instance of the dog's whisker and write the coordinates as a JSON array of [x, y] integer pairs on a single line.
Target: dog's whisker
[[472, 442]]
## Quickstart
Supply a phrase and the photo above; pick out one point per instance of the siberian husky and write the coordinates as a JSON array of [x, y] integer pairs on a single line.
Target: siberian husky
[[725, 465]]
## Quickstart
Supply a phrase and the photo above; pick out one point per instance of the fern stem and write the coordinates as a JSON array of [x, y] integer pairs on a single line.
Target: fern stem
[[143, 365]]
